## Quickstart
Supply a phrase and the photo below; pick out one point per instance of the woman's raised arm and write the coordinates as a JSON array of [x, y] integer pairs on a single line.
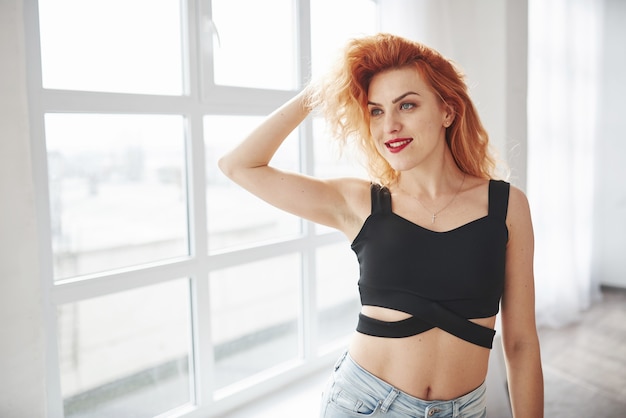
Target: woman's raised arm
[[321, 201]]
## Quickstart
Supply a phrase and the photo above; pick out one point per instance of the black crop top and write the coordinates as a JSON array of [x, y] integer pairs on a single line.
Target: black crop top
[[441, 278]]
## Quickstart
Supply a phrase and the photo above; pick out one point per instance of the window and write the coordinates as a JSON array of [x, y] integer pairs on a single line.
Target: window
[[116, 354], [169, 289], [265, 56], [118, 190], [112, 46]]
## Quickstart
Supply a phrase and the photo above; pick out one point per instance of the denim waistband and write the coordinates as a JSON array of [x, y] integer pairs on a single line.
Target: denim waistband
[[394, 399]]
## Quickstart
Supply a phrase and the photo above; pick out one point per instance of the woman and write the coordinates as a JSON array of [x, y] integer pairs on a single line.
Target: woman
[[439, 242]]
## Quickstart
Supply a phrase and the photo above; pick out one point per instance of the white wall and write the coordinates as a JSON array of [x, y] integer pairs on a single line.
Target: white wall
[[609, 245], [22, 385]]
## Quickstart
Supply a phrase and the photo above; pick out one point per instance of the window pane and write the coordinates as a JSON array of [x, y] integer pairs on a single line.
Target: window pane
[[126, 354], [127, 46], [117, 190], [338, 303], [254, 317], [236, 217], [330, 28], [254, 44]]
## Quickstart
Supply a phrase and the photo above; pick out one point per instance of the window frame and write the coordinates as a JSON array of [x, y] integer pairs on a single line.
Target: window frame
[[200, 97]]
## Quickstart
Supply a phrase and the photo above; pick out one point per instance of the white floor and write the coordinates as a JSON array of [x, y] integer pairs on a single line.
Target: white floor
[[295, 397]]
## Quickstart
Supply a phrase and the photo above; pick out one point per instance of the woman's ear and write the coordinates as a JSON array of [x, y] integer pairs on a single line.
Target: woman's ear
[[448, 116]]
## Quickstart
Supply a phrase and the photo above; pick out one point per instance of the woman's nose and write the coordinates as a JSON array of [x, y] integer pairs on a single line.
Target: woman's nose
[[392, 123]]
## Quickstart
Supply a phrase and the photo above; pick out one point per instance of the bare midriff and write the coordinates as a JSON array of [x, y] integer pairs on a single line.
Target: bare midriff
[[433, 365]]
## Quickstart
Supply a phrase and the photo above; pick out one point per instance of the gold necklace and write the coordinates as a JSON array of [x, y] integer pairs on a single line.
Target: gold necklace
[[434, 216]]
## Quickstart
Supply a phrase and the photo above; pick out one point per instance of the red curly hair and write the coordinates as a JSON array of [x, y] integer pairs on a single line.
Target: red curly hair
[[343, 95]]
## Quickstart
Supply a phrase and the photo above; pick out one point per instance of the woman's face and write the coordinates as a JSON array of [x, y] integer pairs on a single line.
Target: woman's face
[[407, 118]]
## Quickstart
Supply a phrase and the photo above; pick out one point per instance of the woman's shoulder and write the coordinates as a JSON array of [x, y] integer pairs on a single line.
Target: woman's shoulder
[[517, 199], [518, 217]]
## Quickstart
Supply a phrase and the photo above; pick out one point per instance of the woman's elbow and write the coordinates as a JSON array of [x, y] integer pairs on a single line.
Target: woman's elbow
[[227, 166], [525, 346]]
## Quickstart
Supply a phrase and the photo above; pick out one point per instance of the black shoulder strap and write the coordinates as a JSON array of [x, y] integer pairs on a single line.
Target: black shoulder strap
[[381, 199], [498, 198]]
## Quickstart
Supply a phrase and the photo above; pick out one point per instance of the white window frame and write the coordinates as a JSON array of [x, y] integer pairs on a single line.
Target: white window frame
[[200, 98]]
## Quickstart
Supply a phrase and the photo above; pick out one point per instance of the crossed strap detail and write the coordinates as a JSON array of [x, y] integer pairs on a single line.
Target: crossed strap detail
[[427, 314]]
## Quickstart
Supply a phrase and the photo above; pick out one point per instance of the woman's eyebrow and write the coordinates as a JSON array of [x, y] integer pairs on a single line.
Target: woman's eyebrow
[[396, 100]]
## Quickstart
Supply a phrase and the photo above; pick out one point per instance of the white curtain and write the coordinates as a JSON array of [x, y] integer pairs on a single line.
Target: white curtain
[[564, 57]]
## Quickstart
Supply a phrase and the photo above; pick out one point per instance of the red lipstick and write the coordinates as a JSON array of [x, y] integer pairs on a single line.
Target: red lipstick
[[397, 144]]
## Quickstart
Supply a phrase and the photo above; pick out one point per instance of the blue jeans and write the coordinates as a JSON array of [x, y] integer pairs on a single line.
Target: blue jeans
[[354, 392]]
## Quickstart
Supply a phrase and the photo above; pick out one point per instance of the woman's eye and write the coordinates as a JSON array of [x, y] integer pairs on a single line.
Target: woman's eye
[[375, 112], [407, 106]]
